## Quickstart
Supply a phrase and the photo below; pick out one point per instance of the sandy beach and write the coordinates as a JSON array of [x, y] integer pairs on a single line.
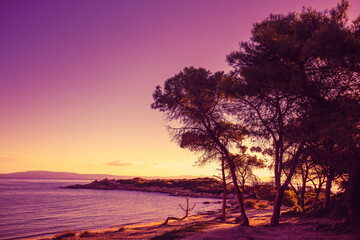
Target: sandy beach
[[208, 226]]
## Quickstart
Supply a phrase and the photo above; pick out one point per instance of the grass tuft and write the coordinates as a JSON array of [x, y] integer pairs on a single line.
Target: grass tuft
[[87, 234], [258, 204], [175, 234], [120, 229], [250, 203], [64, 235]]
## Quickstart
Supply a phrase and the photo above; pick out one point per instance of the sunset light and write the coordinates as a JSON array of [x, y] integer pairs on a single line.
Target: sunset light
[[192, 119], [77, 78]]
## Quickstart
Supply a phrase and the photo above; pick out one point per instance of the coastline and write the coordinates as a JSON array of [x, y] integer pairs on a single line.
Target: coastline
[[166, 190], [50, 209], [208, 226], [181, 187], [130, 231]]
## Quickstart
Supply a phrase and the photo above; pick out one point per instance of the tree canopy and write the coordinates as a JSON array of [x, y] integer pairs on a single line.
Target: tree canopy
[[295, 85], [193, 97]]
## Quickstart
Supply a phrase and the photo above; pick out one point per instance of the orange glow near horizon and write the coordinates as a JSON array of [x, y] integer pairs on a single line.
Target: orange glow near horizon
[[76, 78]]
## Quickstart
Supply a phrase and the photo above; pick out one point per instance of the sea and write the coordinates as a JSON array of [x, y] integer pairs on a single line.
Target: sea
[[34, 208]]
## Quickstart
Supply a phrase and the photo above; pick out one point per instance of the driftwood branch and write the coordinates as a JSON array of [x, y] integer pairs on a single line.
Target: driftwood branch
[[186, 210]]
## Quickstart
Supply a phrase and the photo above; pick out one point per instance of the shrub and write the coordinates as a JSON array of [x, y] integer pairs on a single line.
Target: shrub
[[262, 205], [265, 192], [338, 205], [294, 211], [289, 198], [64, 235], [179, 233], [250, 203], [86, 234]]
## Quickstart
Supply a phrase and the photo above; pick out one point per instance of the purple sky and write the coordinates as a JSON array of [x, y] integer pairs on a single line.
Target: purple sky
[[76, 77]]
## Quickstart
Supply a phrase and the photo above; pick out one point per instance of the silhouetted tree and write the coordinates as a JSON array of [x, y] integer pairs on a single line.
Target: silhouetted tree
[[193, 98], [223, 177], [352, 188], [210, 152], [186, 209], [245, 166], [302, 177], [293, 66]]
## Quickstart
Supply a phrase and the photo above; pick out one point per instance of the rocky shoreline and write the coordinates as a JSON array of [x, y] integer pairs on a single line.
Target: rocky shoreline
[[177, 188]]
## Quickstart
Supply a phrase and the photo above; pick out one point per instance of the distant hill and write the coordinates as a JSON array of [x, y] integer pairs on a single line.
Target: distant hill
[[60, 175], [77, 176]]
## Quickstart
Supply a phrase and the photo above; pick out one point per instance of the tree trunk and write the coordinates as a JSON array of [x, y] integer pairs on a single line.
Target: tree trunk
[[299, 197], [243, 183], [328, 190], [317, 194], [302, 194], [317, 190], [352, 195], [277, 206], [223, 215], [238, 193], [186, 210], [231, 165], [281, 188]]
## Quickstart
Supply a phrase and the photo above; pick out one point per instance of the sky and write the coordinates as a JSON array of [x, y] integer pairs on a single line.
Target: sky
[[77, 77]]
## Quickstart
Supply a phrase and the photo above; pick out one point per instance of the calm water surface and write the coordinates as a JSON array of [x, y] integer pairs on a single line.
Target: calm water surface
[[34, 208]]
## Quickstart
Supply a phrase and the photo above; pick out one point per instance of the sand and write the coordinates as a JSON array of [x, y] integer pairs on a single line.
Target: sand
[[209, 227]]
